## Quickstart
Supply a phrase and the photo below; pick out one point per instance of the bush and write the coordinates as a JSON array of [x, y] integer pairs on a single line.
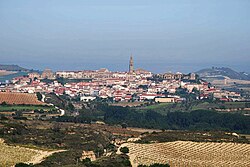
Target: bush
[[39, 96], [155, 165], [86, 160], [4, 103], [124, 150], [22, 165]]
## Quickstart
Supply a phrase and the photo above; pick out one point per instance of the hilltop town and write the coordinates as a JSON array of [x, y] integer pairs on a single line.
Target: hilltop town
[[130, 86]]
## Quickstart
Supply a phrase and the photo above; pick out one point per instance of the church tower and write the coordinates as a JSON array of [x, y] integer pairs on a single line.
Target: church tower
[[131, 64]]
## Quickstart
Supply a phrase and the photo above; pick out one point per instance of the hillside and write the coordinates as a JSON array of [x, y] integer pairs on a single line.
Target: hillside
[[222, 72], [12, 68]]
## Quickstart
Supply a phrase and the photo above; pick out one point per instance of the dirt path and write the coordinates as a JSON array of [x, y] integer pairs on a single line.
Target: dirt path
[[42, 155], [36, 157]]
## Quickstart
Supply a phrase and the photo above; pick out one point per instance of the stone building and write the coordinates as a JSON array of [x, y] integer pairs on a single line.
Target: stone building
[[48, 73]]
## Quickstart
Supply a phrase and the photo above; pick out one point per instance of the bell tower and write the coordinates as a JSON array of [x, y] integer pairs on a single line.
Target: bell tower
[[131, 64]]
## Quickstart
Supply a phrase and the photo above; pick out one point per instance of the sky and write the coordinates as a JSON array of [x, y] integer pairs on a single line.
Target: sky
[[162, 35]]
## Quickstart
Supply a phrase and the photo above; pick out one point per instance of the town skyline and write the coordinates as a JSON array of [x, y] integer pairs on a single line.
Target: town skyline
[[123, 67]]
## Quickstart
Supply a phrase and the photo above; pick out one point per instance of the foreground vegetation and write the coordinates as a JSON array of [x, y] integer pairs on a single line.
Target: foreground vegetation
[[75, 137], [52, 135]]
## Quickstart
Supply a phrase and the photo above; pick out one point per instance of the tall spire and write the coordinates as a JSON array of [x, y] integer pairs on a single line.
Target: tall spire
[[131, 64]]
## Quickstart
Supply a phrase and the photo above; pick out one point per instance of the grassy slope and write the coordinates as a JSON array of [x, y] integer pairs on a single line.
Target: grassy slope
[[21, 107], [164, 108]]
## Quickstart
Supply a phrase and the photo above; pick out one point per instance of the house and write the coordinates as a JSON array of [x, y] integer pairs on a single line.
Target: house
[[165, 99], [87, 98], [149, 96]]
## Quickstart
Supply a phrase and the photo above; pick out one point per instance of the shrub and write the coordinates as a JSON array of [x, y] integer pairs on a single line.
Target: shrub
[[4, 103], [86, 160], [124, 150], [39, 96], [22, 165], [155, 165]]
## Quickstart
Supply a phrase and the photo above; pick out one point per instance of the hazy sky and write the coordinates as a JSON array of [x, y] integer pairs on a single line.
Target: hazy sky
[[163, 35]]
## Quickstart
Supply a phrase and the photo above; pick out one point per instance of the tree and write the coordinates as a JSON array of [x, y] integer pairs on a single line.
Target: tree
[[86, 160], [19, 113], [124, 150], [39, 96], [56, 127], [41, 111], [2, 117], [71, 106], [4, 103], [124, 125]]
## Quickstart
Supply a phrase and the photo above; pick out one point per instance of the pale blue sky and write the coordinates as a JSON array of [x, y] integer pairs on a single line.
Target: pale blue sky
[[163, 35]]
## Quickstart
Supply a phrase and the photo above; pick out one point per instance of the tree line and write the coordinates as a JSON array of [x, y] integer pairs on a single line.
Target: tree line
[[194, 120]]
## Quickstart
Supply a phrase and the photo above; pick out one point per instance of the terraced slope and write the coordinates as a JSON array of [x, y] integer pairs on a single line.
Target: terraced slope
[[193, 154]]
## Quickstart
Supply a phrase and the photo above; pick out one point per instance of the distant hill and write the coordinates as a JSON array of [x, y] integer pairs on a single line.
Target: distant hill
[[222, 72], [12, 68]]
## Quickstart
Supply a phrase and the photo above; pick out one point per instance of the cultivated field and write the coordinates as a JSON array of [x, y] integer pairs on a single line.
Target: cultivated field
[[19, 98], [11, 155], [190, 154]]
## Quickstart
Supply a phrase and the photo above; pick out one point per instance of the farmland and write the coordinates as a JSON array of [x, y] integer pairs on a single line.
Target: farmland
[[11, 155], [187, 153], [19, 98]]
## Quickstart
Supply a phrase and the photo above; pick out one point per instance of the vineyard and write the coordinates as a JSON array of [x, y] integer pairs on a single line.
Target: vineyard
[[19, 98], [11, 155], [190, 154]]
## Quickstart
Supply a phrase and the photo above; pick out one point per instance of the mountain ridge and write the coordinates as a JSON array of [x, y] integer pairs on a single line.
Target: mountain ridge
[[12, 67], [223, 72]]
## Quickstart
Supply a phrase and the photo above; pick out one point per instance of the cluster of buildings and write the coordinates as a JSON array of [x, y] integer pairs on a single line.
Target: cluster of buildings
[[134, 85]]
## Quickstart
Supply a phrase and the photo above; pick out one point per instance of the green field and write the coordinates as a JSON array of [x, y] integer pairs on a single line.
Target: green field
[[164, 108], [158, 106], [24, 108]]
